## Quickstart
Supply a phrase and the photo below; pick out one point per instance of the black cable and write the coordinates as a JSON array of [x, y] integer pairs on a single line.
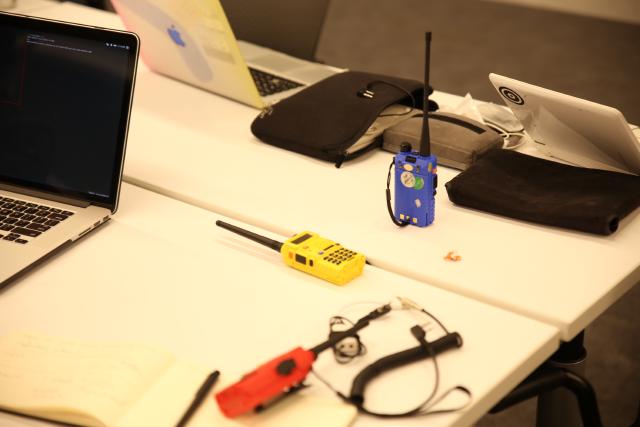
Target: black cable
[[361, 323], [435, 319], [395, 360], [415, 411], [329, 386], [388, 194]]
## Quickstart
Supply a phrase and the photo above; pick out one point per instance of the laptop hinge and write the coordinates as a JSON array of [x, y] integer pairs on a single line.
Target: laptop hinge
[[44, 195]]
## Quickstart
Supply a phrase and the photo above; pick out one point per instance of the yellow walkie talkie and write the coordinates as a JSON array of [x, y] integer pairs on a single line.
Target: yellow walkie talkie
[[312, 254]]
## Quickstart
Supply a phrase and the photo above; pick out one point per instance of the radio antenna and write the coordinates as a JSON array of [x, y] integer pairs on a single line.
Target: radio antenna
[[425, 140], [270, 243]]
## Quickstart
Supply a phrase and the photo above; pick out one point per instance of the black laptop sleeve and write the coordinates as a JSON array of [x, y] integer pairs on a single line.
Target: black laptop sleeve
[[325, 119], [524, 187]]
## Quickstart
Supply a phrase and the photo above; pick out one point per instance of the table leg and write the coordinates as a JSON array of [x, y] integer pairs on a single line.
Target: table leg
[[559, 407]]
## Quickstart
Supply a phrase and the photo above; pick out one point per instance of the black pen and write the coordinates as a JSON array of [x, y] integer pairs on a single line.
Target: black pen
[[197, 400]]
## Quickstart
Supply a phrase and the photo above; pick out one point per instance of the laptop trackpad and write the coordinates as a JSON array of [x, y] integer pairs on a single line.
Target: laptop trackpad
[[310, 75], [277, 63]]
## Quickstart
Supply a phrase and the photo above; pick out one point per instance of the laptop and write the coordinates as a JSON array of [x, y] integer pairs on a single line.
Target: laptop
[[304, 19], [192, 41], [65, 99], [571, 129]]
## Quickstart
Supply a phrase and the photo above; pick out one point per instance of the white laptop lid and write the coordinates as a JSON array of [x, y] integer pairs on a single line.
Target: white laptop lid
[[191, 41], [572, 129]]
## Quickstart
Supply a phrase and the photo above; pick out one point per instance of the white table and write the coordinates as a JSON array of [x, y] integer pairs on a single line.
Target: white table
[[162, 274], [197, 147]]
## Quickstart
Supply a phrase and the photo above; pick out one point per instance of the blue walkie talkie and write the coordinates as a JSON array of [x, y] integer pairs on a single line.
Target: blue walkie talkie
[[416, 176]]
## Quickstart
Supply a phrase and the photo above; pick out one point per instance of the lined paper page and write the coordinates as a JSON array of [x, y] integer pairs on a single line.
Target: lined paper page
[[166, 401], [87, 383]]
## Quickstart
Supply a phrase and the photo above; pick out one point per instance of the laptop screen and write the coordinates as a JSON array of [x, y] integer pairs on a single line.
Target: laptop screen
[[65, 94]]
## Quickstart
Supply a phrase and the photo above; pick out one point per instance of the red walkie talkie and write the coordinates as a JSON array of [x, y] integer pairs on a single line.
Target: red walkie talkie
[[281, 376]]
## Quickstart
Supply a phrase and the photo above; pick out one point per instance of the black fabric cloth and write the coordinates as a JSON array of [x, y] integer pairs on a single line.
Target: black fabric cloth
[[523, 187], [325, 119]]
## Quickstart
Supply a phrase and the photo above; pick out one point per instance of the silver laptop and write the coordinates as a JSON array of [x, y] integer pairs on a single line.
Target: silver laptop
[[571, 129], [192, 41], [65, 99]]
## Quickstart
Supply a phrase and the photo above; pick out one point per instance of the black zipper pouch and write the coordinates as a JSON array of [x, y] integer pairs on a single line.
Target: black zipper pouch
[[524, 187], [326, 119]]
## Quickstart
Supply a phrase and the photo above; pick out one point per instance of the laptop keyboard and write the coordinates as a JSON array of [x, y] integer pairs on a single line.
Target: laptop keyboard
[[268, 84], [21, 220]]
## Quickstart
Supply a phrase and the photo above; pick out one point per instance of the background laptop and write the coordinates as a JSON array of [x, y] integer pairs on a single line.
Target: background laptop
[[572, 129], [289, 26], [192, 41], [65, 99]]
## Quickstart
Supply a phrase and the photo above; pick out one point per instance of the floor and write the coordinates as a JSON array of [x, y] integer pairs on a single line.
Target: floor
[[590, 58]]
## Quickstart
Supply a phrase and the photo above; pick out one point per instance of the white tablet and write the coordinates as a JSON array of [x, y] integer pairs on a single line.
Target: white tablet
[[571, 129]]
